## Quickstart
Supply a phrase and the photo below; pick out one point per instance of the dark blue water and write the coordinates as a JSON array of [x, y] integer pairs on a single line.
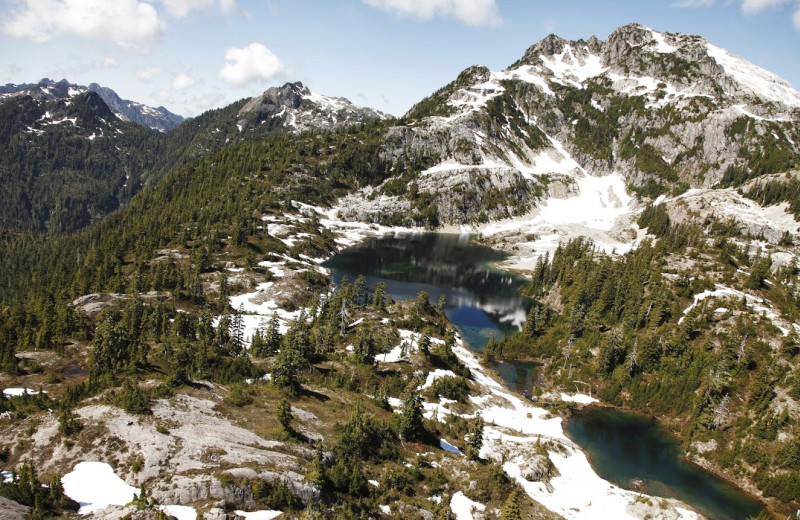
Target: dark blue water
[[625, 448], [483, 302]]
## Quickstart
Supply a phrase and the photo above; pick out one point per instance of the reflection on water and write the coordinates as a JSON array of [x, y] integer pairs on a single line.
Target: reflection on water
[[637, 452], [522, 376], [481, 301]]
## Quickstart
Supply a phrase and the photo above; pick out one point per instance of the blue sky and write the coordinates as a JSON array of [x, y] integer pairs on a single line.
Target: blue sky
[[192, 55]]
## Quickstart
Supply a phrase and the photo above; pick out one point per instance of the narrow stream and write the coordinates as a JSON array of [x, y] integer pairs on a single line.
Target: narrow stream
[[633, 452]]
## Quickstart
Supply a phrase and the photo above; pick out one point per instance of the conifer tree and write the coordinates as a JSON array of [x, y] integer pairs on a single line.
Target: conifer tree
[[284, 415], [474, 439], [412, 426], [511, 507]]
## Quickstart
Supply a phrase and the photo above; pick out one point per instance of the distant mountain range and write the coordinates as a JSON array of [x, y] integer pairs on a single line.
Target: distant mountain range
[[159, 118], [71, 154]]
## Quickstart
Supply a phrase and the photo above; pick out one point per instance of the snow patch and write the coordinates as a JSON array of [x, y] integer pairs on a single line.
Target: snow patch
[[573, 67], [462, 507], [17, 392], [180, 512], [662, 46], [94, 485], [436, 374], [578, 398]]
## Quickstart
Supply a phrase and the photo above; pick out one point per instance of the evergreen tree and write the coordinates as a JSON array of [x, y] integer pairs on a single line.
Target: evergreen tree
[[285, 371], [379, 298], [284, 415], [273, 337], [412, 425], [474, 439], [511, 507]]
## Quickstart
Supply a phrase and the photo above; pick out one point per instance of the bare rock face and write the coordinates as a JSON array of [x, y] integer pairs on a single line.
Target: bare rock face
[[11, 510]]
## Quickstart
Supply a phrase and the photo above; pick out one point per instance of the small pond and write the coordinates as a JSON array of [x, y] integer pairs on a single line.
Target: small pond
[[636, 452]]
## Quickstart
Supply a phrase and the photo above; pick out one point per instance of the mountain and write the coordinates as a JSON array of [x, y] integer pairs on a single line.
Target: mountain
[[646, 186], [294, 106], [159, 118], [84, 157], [665, 112], [68, 160]]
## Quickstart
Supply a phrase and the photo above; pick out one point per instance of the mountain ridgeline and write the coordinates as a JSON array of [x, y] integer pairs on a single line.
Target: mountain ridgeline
[[129, 255], [71, 155]]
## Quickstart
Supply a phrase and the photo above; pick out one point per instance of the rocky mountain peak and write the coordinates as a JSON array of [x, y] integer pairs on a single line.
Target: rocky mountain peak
[[665, 111], [549, 46], [159, 118], [297, 107]]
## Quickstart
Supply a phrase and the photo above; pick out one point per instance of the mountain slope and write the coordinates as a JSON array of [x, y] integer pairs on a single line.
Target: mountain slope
[[159, 118], [666, 112], [69, 160]]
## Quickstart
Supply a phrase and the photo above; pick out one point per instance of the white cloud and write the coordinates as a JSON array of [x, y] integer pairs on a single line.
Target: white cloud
[[182, 81], [109, 63], [190, 103], [251, 63], [756, 6], [128, 23], [692, 3], [469, 12], [147, 74], [181, 8]]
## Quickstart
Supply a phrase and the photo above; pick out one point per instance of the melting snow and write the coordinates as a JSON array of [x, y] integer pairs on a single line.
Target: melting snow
[[662, 46], [16, 392], [578, 398], [761, 82], [462, 507], [758, 305], [259, 515], [573, 68], [528, 74], [95, 486], [180, 512], [436, 374]]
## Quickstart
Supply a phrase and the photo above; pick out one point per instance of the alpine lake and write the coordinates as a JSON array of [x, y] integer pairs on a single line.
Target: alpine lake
[[632, 451]]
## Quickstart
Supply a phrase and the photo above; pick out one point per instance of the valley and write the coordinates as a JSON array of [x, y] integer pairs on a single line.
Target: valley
[[260, 326]]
